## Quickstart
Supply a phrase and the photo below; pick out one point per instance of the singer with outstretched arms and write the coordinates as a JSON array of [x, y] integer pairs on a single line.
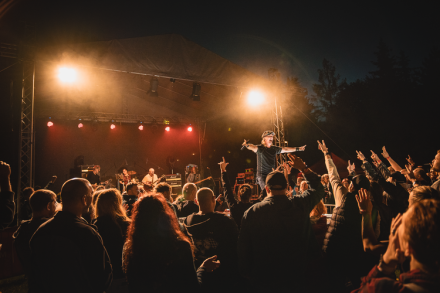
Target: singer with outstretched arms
[[266, 157]]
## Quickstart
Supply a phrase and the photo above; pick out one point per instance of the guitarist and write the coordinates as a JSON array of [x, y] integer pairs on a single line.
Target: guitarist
[[150, 178], [191, 176]]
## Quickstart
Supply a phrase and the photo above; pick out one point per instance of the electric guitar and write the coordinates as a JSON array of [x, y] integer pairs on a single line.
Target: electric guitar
[[203, 180], [153, 185]]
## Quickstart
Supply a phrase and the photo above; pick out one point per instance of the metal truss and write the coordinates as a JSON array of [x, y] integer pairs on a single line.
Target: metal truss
[[120, 118], [26, 135], [277, 115], [8, 50]]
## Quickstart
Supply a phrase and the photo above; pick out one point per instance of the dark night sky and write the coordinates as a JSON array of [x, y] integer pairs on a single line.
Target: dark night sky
[[292, 37]]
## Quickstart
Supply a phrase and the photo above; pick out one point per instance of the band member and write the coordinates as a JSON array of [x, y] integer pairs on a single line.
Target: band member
[[94, 177], [266, 157], [126, 178], [191, 176], [150, 178]]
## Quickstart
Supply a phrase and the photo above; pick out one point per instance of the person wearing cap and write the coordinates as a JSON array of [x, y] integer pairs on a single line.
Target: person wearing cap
[[266, 157], [276, 239], [343, 245]]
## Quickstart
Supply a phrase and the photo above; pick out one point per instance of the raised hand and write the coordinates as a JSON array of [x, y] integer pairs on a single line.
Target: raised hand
[[410, 161], [351, 168], [223, 165], [297, 162], [303, 148], [5, 170], [374, 156], [360, 156], [394, 255], [385, 153], [287, 167], [245, 142], [211, 264], [322, 147], [364, 202]]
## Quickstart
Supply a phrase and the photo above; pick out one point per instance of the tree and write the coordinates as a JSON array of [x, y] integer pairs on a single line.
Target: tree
[[385, 63], [328, 89]]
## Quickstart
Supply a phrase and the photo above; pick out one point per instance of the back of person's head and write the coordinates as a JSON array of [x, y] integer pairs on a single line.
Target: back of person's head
[[422, 232], [245, 192], [152, 234], [40, 199], [360, 181], [205, 197], [318, 210], [422, 192], [74, 189], [163, 187], [130, 186], [189, 191], [109, 203], [26, 193]]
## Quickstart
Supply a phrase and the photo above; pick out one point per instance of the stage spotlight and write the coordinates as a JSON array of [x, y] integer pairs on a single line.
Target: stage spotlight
[[141, 127], [190, 128], [80, 125], [255, 98], [154, 84], [66, 74], [195, 96], [112, 126], [49, 124], [167, 128]]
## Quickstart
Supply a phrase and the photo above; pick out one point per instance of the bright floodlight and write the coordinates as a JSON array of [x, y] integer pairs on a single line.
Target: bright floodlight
[[80, 125], [141, 127], [190, 129], [112, 126], [67, 74], [49, 124], [255, 98], [167, 128]]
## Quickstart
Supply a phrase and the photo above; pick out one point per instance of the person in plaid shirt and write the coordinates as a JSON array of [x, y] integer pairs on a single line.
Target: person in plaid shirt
[[414, 235]]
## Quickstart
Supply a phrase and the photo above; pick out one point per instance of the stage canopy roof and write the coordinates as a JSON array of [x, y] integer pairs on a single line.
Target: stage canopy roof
[[114, 78]]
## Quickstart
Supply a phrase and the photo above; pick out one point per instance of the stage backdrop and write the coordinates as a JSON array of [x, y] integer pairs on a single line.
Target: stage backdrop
[[59, 146]]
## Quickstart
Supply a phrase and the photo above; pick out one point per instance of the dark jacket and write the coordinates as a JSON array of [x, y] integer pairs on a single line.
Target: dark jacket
[[186, 208], [21, 241], [410, 282], [236, 208], [343, 245], [276, 240], [113, 233], [7, 208], [215, 234], [68, 255]]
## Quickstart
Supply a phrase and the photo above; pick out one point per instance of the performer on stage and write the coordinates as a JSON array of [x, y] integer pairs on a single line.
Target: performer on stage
[[266, 157], [94, 177], [191, 176], [150, 178], [124, 179]]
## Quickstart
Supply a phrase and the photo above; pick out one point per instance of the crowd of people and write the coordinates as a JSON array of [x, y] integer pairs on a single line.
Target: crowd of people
[[383, 234]]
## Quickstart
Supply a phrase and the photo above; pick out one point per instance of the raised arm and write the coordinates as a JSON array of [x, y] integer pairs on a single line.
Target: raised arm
[[293, 149], [366, 166], [369, 238], [250, 146], [7, 204], [227, 190], [316, 191], [391, 161], [339, 191]]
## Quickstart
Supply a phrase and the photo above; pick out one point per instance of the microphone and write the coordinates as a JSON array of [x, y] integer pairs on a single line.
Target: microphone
[[243, 147]]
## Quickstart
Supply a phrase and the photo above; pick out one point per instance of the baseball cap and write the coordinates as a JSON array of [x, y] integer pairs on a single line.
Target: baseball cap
[[276, 181], [267, 133]]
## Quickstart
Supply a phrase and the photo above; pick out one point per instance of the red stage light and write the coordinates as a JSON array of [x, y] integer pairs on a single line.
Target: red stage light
[[80, 125], [190, 129], [167, 128], [141, 127], [112, 126], [49, 124]]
